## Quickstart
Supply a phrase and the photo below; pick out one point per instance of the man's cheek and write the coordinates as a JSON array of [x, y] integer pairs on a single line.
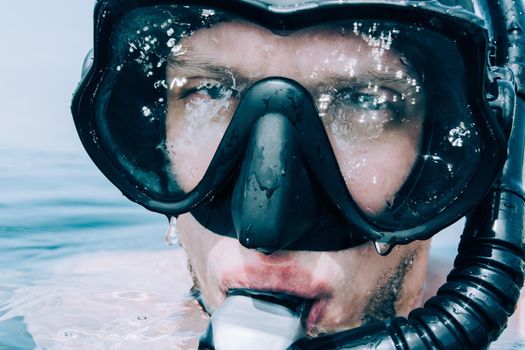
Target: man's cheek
[[374, 177], [209, 256], [191, 141], [196, 248]]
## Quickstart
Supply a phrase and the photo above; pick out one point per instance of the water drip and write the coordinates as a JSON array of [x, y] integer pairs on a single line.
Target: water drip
[[383, 249], [171, 237]]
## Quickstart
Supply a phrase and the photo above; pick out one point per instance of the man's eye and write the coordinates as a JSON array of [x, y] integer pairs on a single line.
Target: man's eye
[[364, 101], [366, 106], [210, 89], [213, 90], [361, 113]]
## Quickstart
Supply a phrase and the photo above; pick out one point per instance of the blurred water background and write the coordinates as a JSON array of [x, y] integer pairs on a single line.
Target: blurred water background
[[80, 266]]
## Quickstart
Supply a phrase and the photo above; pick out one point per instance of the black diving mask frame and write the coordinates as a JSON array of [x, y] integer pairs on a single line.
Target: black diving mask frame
[[352, 227]]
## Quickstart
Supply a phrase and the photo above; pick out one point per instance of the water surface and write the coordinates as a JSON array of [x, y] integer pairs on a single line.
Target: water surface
[[81, 267]]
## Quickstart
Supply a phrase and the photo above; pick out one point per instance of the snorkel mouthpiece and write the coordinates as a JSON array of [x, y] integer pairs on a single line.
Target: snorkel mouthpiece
[[256, 320]]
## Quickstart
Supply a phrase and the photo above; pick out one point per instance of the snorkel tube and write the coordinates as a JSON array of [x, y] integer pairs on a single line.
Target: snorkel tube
[[471, 309]]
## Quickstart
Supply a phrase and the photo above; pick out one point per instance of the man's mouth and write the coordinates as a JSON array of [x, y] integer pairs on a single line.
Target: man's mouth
[[288, 279], [298, 306]]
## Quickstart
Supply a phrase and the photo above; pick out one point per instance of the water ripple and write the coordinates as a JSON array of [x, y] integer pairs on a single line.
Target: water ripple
[[54, 206]]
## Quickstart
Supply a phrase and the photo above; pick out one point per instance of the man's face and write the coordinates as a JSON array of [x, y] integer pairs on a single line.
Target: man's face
[[372, 105]]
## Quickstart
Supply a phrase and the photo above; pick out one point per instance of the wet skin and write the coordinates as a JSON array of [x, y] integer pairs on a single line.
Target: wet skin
[[372, 106]]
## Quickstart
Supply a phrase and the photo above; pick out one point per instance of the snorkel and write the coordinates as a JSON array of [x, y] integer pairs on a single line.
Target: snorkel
[[472, 308]]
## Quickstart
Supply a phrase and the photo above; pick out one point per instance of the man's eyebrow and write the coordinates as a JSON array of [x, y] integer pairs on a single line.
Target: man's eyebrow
[[200, 68], [397, 77]]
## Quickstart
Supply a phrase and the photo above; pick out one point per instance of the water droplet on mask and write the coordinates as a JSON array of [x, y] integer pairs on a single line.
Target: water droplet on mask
[[207, 13], [142, 318], [171, 237], [171, 42], [383, 248], [146, 111]]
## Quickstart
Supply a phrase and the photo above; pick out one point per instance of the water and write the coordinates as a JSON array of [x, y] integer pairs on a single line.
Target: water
[[81, 267]]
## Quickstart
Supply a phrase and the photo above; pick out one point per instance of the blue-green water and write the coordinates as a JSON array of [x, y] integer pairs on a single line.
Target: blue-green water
[[69, 244], [81, 267]]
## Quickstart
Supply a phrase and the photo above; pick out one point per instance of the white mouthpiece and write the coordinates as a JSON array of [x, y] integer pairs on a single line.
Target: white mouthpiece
[[244, 323]]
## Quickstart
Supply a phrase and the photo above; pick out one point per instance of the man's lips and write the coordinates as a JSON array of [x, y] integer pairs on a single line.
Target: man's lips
[[283, 277]]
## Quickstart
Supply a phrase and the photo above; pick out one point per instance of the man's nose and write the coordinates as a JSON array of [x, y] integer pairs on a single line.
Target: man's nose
[[273, 203]]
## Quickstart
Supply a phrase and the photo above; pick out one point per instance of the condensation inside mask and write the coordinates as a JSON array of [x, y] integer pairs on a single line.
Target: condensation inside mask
[[184, 71]]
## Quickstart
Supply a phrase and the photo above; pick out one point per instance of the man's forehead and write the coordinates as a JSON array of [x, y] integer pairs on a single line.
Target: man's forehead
[[337, 36], [331, 49]]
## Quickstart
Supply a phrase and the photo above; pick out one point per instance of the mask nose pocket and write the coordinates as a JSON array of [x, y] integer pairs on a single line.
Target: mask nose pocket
[[273, 202]]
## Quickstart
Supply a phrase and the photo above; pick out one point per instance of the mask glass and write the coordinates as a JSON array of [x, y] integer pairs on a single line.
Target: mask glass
[[391, 97]]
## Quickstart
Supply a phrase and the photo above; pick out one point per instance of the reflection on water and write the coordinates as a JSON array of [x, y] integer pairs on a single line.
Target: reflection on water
[[83, 268], [112, 300]]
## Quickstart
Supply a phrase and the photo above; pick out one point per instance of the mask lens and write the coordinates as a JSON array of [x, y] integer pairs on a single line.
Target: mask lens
[[164, 111], [406, 142], [199, 111]]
